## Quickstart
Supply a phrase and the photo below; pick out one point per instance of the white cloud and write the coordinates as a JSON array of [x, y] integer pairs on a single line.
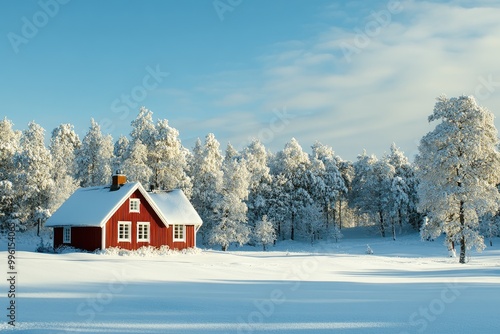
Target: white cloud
[[390, 85], [383, 95]]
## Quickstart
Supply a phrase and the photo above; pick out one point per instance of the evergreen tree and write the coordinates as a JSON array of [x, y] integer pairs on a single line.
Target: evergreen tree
[[207, 181], [135, 166], [260, 182], [95, 157], [459, 167], [33, 181], [312, 224], [371, 188], [292, 166], [327, 180], [170, 160], [278, 205], [143, 128], [231, 209], [490, 226], [264, 233], [398, 204], [120, 151], [64, 144], [9, 147], [407, 211], [346, 169]]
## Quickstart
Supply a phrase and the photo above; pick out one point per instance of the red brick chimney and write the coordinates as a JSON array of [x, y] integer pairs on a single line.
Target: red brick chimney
[[118, 179]]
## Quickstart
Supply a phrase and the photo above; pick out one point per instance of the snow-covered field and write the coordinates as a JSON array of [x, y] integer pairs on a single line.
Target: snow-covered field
[[406, 286]]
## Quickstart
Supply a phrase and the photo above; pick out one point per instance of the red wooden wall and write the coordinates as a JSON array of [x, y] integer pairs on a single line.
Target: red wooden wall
[[58, 236], [86, 238], [159, 234], [90, 238]]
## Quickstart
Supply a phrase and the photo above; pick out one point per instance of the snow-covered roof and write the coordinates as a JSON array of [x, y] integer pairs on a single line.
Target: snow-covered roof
[[94, 206], [176, 207]]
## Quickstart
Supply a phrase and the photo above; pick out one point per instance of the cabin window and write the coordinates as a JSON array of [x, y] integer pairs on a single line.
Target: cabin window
[[67, 235], [179, 233], [134, 204], [124, 231], [143, 231]]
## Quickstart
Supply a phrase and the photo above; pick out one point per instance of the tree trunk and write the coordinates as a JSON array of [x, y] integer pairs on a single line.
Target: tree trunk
[[292, 232], [340, 213], [462, 249], [278, 233], [462, 236], [400, 217], [393, 231], [382, 227]]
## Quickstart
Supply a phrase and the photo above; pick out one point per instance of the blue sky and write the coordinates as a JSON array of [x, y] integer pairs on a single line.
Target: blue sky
[[352, 74]]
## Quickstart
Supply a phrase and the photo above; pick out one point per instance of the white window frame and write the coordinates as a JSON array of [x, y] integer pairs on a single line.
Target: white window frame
[[176, 229], [147, 229], [127, 226], [66, 234], [131, 206]]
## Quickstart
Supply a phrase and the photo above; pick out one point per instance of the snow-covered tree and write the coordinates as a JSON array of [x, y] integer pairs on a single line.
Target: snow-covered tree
[[278, 205], [293, 164], [264, 233], [408, 201], [95, 157], [459, 167], [490, 226], [143, 128], [371, 188], [346, 169], [120, 151], [256, 159], [64, 144], [327, 181], [206, 173], [8, 208], [135, 166], [398, 203], [9, 146], [231, 210], [311, 222], [33, 181], [169, 159]]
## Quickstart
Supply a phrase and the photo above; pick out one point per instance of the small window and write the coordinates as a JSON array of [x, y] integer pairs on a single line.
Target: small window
[[179, 234], [124, 231], [67, 235], [143, 231], [134, 204]]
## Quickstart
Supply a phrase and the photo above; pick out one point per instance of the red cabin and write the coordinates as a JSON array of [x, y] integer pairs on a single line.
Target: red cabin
[[125, 215]]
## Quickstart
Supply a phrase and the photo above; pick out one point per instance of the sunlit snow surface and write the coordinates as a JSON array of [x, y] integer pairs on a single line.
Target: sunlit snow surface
[[406, 286]]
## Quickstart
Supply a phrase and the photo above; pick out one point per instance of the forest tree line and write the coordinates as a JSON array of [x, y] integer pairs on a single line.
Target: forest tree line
[[249, 196]]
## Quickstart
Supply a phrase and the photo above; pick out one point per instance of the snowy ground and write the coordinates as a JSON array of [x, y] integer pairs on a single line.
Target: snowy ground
[[406, 286]]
